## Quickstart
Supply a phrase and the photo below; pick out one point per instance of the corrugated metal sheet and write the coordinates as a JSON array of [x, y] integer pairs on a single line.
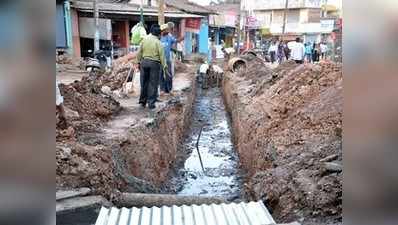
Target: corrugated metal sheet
[[252, 213]]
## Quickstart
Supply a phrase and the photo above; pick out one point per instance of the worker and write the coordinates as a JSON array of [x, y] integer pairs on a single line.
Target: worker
[[297, 51], [151, 60], [167, 40], [59, 106]]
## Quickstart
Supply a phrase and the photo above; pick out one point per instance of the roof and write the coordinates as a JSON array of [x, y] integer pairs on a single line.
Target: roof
[[226, 7], [253, 213], [112, 7], [190, 7], [129, 9]]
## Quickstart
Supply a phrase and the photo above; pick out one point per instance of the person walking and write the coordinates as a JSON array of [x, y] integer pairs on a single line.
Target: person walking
[[286, 50], [151, 60], [281, 52], [308, 52], [297, 51], [324, 49], [315, 53], [272, 51]]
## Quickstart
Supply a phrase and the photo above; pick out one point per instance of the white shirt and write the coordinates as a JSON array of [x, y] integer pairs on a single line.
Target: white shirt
[[273, 48], [297, 51], [324, 48], [203, 68]]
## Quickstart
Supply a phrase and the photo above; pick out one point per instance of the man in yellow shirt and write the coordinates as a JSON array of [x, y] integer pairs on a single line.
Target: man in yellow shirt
[[151, 60]]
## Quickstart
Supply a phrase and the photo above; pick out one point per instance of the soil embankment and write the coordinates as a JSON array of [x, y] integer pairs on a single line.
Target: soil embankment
[[112, 144], [287, 126]]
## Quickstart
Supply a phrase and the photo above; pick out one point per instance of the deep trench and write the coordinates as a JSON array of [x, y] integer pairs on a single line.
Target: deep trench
[[221, 176]]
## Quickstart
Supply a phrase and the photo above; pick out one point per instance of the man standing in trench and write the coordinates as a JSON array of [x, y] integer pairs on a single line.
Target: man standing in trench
[[151, 60]]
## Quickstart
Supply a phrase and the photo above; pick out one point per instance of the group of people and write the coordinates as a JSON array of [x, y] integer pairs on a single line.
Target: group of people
[[297, 51], [154, 60]]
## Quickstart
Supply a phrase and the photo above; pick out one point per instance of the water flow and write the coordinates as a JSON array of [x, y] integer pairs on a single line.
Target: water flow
[[220, 161]]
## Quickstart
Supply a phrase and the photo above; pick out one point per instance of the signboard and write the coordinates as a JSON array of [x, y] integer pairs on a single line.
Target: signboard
[[327, 24], [192, 25], [87, 28], [251, 22]]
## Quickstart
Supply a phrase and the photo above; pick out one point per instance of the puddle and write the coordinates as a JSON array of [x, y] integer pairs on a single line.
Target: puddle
[[221, 174]]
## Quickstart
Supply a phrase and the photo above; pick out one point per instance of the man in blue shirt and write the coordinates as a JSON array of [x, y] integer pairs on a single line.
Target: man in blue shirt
[[166, 78], [308, 52]]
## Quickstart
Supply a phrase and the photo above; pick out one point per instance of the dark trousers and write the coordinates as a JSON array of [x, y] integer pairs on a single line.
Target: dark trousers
[[149, 79], [273, 58], [166, 80], [299, 61]]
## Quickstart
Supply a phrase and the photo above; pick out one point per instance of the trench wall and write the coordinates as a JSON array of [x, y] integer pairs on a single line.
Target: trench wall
[[151, 148]]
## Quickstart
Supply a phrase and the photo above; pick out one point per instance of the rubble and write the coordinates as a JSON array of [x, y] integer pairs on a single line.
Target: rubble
[[285, 121]]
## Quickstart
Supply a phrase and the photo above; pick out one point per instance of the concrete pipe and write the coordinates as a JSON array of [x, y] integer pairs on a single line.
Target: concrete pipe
[[236, 64]]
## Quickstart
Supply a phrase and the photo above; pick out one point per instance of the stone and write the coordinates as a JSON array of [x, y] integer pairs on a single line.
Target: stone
[[333, 166], [292, 223], [71, 114], [106, 90], [329, 158]]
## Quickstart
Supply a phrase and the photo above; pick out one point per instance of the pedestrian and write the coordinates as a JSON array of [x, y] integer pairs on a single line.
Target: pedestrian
[[281, 52], [308, 52], [297, 51], [272, 51], [315, 53], [180, 51], [286, 50], [151, 60], [324, 49]]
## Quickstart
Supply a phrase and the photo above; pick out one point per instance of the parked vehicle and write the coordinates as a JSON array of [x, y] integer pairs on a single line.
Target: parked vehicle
[[98, 63]]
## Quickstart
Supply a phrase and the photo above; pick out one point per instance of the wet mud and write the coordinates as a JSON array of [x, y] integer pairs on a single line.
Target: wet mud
[[220, 175]]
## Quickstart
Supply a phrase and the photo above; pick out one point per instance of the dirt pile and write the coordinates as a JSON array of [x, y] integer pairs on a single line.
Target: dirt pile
[[80, 164], [86, 106], [287, 125], [180, 67]]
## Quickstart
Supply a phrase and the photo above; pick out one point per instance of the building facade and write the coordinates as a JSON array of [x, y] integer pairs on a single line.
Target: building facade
[[116, 19], [303, 18]]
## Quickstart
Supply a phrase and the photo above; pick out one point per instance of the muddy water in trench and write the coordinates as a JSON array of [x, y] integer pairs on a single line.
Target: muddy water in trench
[[221, 177]]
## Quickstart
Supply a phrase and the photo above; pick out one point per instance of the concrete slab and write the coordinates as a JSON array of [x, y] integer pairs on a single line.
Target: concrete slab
[[71, 205], [60, 195]]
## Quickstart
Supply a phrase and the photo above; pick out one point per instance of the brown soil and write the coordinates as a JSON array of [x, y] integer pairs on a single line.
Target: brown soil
[[115, 145], [284, 122]]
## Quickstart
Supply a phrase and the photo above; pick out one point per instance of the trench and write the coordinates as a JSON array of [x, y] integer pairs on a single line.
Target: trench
[[221, 176]]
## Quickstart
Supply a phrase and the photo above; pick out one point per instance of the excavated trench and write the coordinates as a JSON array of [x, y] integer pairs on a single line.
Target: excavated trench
[[155, 152], [208, 139]]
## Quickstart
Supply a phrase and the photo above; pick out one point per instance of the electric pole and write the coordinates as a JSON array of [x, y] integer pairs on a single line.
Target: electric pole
[[284, 19], [161, 12], [96, 24], [238, 38]]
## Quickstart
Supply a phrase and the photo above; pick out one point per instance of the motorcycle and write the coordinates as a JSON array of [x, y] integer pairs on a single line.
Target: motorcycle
[[98, 63]]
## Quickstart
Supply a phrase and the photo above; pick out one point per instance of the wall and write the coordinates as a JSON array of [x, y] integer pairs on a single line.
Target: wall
[[278, 4], [61, 41], [75, 33], [204, 38]]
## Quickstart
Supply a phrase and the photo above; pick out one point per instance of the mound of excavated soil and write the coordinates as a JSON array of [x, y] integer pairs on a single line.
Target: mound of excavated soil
[[287, 126], [78, 164]]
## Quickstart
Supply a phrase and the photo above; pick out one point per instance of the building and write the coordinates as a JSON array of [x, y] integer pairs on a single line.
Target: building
[[303, 18], [118, 17], [63, 39]]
